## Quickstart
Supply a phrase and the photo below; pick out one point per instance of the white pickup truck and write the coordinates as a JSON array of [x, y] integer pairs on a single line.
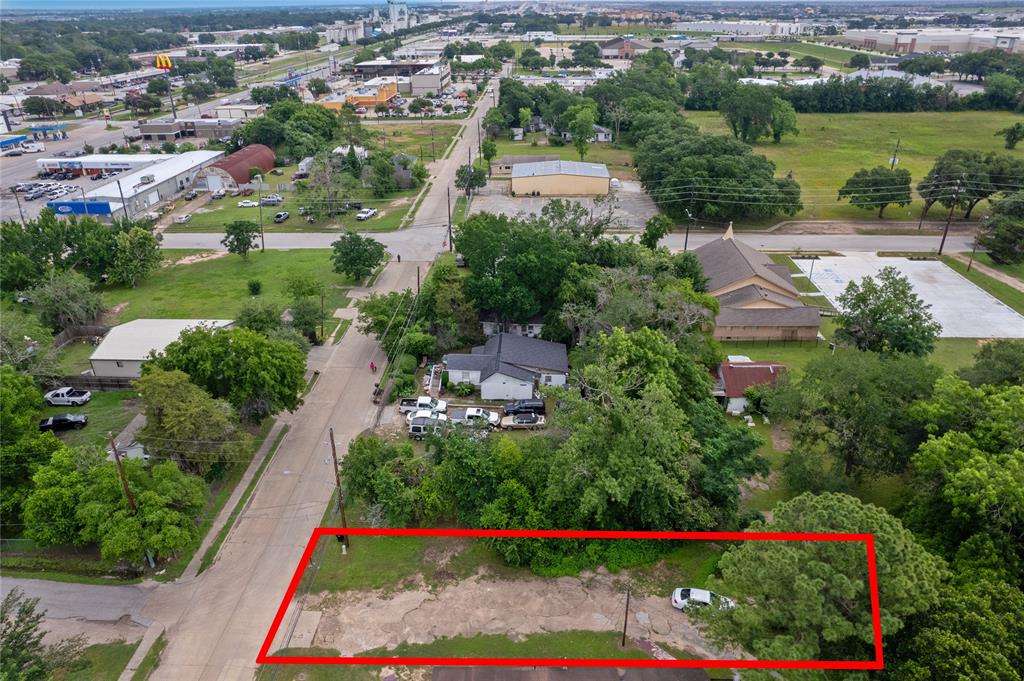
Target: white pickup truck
[[67, 397], [474, 416], [423, 402]]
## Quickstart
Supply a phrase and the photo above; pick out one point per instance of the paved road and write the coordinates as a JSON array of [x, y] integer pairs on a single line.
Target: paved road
[[411, 242], [94, 602]]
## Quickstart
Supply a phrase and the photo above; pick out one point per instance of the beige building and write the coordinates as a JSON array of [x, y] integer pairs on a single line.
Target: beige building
[[757, 299], [560, 178], [504, 165], [942, 40], [127, 346]]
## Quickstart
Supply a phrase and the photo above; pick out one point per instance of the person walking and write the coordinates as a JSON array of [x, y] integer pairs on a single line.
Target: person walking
[[373, 367]]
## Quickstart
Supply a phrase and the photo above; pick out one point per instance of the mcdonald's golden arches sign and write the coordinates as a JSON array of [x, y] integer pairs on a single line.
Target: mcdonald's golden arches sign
[[163, 62]]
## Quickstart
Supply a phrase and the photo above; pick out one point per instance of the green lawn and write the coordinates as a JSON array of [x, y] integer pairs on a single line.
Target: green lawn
[[835, 57], [151, 661], [831, 147], [426, 140], [1004, 292], [1013, 270], [315, 672], [216, 289], [589, 644], [102, 662], [108, 412], [619, 160], [218, 213], [73, 358]]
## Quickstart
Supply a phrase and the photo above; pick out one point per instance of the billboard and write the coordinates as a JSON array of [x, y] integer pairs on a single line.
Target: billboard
[[80, 207]]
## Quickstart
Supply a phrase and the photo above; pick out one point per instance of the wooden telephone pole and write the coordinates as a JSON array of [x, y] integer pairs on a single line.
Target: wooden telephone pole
[[343, 538]]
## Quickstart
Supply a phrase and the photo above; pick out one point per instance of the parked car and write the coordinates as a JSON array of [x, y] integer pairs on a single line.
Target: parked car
[[269, 201], [191, 194], [366, 213], [361, 110], [525, 421], [686, 597], [530, 406], [248, 204], [281, 217], [422, 425], [409, 404], [182, 219], [64, 422], [299, 175], [218, 194], [475, 416], [67, 397]]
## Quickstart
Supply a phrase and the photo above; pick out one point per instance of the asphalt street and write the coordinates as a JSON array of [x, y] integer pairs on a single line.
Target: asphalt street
[[99, 603]]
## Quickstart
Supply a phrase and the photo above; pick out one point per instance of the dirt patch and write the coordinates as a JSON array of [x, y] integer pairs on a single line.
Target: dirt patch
[[354, 622], [441, 551], [109, 318], [403, 201], [782, 441], [198, 257]]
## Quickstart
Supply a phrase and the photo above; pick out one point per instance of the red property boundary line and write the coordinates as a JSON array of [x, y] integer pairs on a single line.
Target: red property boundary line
[[869, 541]]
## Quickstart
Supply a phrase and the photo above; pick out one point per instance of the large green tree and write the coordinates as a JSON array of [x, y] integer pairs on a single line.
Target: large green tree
[[240, 237], [877, 188], [1002, 234], [998, 362], [748, 111], [136, 256], [884, 314], [23, 655], [258, 376], [66, 299], [357, 256], [810, 600]]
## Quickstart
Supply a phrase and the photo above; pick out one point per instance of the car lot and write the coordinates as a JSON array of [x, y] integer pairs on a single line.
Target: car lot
[[963, 309], [634, 207]]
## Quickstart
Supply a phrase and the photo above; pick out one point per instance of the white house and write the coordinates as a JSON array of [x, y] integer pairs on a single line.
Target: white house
[[127, 346], [531, 328], [509, 367]]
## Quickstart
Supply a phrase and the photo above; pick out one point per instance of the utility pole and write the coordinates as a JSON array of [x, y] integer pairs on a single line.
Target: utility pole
[[625, 620], [127, 490], [259, 199], [124, 204], [341, 501], [18, 201], [322, 316], [949, 216], [451, 246], [894, 160], [417, 281]]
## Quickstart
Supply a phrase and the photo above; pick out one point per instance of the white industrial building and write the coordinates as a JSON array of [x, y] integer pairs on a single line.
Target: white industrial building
[[433, 79], [92, 164], [758, 28], [341, 32], [942, 40], [128, 345]]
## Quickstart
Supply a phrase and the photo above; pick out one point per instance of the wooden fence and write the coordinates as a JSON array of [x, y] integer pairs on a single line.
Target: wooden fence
[[73, 333]]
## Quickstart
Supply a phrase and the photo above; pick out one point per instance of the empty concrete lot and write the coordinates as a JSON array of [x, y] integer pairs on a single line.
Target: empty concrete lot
[[963, 309], [634, 207]]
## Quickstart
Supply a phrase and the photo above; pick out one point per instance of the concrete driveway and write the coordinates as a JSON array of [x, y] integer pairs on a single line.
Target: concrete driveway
[[963, 309], [633, 206]]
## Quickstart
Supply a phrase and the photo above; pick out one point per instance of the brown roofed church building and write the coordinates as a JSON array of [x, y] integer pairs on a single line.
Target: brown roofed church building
[[757, 299]]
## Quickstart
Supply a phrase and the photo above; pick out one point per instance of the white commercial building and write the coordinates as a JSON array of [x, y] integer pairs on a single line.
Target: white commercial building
[[760, 28], [128, 345], [92, 164], [942, 40], [431, 80], [341, 32], [243, 111]]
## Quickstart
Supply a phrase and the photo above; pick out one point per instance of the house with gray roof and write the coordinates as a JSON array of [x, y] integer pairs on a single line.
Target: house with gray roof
[[756, 297], [509, 366]]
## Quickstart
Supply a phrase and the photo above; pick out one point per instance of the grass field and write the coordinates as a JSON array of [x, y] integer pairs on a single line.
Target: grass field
[[151, 661], [617, 159], [102, 662], [426, 140], [74, 357], [831, 147], [592, 644], [216, 289], [1013, 270], [108, 412], [836, 57]]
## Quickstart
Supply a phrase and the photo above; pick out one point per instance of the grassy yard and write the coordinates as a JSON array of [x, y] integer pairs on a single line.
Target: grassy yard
[[1013, 270], [426, 140], [217, 288], [836, 57], [591, 644], [108, 412], [102, 662], [616, 158], [74, 357], [1004, 292], [151, 661], [315, 672], [831, 147]]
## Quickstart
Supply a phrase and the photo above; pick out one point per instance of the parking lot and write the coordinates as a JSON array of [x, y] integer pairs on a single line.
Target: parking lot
[[963, 309], [633, 206], [48, 189]]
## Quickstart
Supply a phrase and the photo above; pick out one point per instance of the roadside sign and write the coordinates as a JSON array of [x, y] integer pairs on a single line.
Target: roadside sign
[[163, 62]]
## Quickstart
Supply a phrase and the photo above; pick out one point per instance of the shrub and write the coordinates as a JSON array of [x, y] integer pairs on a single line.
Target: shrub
[[255, 287], [464, 389], [444, 380], [556, 141], [404, 384], [406, 364]]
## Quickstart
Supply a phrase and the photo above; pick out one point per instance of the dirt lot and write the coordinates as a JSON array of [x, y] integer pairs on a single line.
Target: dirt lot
[[353, 622], [633, 209]]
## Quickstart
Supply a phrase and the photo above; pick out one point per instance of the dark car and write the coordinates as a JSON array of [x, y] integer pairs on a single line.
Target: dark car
[[64, 422], [191, 194], [531, 406], [281, 217]]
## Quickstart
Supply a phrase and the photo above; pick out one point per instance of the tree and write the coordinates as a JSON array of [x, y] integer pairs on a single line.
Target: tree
[[136, 255], [748, 110], [525, 118], [241, 236], [66, 299], [783, 119], [972, 632], [357, 256], [1002, 90], [259, 315], [814, 603], [998, 362], [179, 414], [810, 63], [850, 415], [654, 229], [268, 94], [382, 174], [859, 61], [207, 38], [1012, 135], [27, 346], [489, 149], [307, 316], [41, 106], [886, 315], [318, 87], [877, 188], [23, 655], [1002, 234], [158, 86], [469, 177], [582, 128], [258, 376], [263, 130]]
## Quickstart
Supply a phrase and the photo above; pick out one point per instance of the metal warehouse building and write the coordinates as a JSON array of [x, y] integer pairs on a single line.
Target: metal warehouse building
[[560, 178]]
